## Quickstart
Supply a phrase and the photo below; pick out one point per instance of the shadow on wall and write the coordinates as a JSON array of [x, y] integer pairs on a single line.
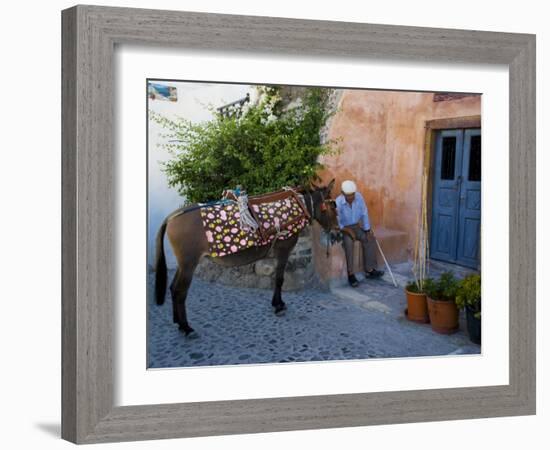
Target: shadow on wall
[[156, 215]]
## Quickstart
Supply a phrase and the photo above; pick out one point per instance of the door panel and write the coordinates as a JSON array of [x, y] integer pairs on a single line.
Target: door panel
[[444, 239], [469, 218], [447, 170], [470, 245]]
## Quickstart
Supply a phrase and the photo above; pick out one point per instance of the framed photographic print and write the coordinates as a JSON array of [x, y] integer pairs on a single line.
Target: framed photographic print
[[265, 229]]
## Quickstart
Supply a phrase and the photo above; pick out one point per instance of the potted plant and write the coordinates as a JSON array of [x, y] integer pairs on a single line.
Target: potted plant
[[442, 309], [417, 306], [415, 292], [468, 297]]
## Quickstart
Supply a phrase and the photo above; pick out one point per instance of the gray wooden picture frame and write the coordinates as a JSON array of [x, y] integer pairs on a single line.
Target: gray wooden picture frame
[[88, 154]]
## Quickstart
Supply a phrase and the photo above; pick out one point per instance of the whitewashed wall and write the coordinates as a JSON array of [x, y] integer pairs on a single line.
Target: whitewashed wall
[[194, 100]]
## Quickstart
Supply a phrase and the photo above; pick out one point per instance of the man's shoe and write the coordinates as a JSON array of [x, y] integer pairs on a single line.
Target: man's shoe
[[353, 281], [374, 273]]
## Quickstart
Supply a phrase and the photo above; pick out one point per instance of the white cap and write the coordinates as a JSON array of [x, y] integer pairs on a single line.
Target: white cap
[[348, 187]]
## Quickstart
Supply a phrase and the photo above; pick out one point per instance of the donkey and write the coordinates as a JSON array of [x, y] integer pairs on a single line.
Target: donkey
[[187, 238]]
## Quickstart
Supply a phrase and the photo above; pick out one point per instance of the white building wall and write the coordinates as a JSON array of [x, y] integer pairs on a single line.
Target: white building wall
[[194, 100]]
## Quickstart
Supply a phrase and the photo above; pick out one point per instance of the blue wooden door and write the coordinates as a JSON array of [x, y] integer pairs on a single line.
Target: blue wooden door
[[469, 217], [446, 192], [456, 202]]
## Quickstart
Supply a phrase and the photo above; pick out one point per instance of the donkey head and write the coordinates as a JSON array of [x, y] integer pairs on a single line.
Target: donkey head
[[321, 206]]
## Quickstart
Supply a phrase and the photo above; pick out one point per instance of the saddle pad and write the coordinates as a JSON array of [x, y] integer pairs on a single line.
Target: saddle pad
[[225, 236]]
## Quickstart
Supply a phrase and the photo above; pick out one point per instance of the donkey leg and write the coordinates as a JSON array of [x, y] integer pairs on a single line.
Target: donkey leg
[[282, 252], [277, 301], [188, 241], [181, 286], [173, 293]]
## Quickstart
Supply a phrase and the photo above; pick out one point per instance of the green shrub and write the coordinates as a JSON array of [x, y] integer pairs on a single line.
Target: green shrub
[[469, 294], [413, 287], [430, 288], [444, 288], [262, 147]]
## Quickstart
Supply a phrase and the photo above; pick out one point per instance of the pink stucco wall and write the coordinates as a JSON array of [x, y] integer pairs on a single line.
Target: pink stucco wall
[[382, 136]]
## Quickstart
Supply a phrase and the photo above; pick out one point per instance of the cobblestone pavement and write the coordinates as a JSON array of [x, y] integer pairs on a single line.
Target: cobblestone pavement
[[237, 326]]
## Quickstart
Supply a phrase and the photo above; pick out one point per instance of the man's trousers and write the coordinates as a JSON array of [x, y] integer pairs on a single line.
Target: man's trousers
[[368, 244]]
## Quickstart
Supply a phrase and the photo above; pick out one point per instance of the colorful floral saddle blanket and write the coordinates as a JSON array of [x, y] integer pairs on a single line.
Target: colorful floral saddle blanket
[[279, 215]]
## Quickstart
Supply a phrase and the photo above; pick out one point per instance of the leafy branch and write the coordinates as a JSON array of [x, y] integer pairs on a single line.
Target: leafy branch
[[264, 147]]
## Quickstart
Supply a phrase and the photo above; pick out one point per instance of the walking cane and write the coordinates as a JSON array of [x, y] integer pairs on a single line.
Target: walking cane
[[385, 260]]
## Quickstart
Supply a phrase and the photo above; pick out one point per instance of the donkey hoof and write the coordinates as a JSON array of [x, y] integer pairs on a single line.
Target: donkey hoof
[[280, 309], [191, 334]]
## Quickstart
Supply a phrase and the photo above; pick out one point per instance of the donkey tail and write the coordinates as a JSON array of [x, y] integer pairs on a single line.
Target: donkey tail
[[160, 266]]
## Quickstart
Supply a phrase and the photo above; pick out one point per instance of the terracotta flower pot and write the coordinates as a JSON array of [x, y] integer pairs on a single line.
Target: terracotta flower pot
[[417, 307], [443, 316]]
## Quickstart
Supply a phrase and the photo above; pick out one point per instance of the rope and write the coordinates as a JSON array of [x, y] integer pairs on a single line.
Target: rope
[[246, 220], [277, 235]]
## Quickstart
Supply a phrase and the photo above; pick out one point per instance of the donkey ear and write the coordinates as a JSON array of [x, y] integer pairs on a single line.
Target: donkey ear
[[330, 185]]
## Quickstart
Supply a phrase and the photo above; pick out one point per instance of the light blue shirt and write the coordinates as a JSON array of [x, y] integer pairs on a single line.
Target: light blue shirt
[[352, 214]]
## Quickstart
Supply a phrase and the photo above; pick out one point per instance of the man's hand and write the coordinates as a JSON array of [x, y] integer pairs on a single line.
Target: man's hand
[[349, 231]]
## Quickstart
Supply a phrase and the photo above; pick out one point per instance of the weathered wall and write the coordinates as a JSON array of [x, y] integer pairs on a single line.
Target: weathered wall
[[382, 137]]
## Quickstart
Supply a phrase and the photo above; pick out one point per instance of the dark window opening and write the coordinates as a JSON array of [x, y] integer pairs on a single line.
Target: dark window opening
[[474, 170], [448, 157]]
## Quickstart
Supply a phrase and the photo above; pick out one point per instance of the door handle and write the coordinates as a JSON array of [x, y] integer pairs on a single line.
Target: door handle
[[462, 194], [458, 182]]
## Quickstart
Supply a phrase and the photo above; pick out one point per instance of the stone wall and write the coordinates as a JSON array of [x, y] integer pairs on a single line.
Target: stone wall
[[299, 273]]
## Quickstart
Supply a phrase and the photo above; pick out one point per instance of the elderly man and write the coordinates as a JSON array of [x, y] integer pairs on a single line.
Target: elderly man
[[353, 220]]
